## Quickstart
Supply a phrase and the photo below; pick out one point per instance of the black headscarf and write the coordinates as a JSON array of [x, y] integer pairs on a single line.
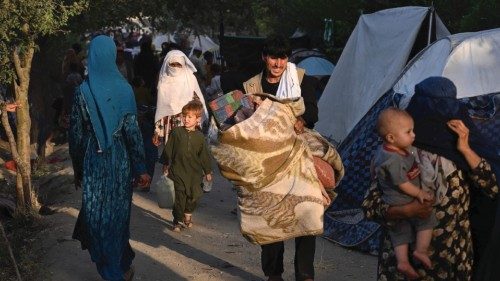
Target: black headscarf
[[432, 106]]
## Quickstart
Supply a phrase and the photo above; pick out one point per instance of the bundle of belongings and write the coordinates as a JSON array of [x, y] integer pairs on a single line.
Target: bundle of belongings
[[282, 177]]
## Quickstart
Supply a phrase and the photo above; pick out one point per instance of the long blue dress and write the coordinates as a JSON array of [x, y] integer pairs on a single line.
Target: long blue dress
[[103, 223]]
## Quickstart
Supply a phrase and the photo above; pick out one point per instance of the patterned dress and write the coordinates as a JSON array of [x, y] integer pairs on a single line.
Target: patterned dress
[[451, 250], [103, 222]]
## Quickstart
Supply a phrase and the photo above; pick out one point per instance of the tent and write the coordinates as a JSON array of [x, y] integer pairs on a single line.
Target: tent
[[316, 66], [471, 61], [160, 38], [373, 58], [203, 43]]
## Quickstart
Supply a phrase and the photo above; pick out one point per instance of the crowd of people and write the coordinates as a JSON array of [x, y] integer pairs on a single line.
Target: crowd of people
[[121, 112]]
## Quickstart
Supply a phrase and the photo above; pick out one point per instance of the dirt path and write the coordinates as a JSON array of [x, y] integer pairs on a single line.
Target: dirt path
[[212, 250]]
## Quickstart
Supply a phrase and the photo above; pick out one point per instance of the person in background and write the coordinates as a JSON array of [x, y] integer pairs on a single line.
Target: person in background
[[146, 64], [141, 92], [197, 61], [177, 86], [206, 68], [214, 88], [121, 63]]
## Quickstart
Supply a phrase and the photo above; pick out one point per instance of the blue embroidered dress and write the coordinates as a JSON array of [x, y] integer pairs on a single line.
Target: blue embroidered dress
[[105, 153]]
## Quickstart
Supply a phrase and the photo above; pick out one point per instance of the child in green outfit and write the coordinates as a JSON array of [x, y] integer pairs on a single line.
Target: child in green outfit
[[185, 160]]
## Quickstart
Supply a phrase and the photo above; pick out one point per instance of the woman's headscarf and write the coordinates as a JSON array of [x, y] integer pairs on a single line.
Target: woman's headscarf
[[176, 86], [107, 94], [433, 104]]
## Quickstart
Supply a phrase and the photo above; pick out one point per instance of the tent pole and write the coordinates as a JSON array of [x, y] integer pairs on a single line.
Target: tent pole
[[431, 16]]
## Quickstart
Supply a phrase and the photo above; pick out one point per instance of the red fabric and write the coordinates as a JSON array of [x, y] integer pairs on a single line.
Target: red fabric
[[325, 172], [11, 165]]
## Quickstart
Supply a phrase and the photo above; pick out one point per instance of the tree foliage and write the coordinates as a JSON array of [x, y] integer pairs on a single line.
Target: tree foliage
[[24, 21]]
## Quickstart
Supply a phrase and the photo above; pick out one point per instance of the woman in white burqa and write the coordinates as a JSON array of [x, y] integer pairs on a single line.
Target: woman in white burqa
[[177, 85]]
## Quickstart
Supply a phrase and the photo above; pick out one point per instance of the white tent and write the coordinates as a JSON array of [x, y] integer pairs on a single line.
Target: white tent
[[372, 60], [203, 43], [159, 38], [316, 66], [470, 60]]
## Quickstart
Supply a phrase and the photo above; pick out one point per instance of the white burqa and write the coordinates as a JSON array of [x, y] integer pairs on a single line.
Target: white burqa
[[176, 85]]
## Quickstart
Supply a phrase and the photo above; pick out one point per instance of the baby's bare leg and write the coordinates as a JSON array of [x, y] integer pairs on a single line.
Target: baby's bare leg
[[421, 248], [404, 266]]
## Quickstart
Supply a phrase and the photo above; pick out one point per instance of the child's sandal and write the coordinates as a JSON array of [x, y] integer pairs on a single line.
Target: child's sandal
[[177, 228], [188, 220]]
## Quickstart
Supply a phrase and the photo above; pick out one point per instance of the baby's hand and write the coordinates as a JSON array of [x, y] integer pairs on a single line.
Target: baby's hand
[[165, 170]]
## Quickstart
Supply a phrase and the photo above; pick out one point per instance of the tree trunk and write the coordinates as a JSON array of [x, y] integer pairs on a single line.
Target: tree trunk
[[21, 146]]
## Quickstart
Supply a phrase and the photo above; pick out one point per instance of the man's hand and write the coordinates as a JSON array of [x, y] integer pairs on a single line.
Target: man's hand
[[165, 170], [299, 125], [326, 198]]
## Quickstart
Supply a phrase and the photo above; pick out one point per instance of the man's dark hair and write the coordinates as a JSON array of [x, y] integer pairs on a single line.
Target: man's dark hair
[[277, 46]]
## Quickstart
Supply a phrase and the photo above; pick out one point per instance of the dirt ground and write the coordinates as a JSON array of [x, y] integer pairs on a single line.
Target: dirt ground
[[213, 249]]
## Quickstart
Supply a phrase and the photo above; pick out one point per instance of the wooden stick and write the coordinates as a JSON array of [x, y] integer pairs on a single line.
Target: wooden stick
[[10, 252]]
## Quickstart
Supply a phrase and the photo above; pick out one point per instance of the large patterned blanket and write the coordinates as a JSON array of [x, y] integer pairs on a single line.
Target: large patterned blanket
[[279, 194]]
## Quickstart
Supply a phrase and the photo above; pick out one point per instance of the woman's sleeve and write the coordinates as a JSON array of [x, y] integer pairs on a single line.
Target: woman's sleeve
[[484, 178], [75, 137], [135, 145], [373, 206]]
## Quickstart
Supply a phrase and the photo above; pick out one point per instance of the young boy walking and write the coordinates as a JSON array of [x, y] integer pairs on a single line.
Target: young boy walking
[[397, 173], [186, 160]]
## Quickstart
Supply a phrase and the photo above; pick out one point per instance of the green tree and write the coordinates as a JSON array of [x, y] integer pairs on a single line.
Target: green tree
[[23, 23], [483, 15]]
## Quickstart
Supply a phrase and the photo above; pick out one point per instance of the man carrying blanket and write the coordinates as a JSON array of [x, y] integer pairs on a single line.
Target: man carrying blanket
[[269, 157]]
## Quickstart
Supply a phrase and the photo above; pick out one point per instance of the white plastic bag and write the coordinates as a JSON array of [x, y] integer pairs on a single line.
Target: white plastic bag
[[165, 192]]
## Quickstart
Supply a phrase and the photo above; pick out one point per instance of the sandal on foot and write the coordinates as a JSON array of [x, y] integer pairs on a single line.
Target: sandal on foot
[[188, 220], [177, 228]]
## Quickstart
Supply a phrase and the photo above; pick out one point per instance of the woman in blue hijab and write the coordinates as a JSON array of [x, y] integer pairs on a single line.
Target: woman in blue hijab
[[105, 145]]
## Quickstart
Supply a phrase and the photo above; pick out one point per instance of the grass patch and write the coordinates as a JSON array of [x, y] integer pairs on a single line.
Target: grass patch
[[22, 232]]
